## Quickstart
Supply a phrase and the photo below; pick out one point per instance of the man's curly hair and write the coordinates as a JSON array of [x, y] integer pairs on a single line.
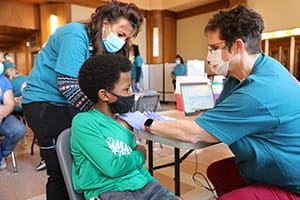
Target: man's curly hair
[[238, 23], [101, 72]]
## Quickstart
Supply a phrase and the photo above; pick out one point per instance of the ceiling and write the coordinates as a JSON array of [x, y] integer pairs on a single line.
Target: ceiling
[[11, 35]]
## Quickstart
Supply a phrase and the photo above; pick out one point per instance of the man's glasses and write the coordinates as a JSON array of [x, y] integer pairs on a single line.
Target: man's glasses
[[216, 46]]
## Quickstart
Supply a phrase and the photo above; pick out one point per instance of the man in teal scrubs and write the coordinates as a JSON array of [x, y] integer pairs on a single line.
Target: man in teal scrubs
[[257, 114]]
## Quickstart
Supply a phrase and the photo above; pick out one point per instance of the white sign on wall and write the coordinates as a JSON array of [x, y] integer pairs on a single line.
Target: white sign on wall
[[196, 68], [155, 42]]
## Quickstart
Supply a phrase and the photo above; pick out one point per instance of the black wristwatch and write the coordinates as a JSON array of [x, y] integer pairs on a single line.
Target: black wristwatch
[[147, 125]]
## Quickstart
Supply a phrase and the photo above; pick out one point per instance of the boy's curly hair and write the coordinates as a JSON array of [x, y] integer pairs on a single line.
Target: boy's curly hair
[[101, 72]]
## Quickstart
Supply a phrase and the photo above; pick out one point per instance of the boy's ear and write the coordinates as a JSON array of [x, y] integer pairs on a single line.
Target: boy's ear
[[102, 95]]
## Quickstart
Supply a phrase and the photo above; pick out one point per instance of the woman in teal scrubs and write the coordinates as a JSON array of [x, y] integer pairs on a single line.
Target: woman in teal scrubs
[[136, 71], [179, 70], [52, 95]]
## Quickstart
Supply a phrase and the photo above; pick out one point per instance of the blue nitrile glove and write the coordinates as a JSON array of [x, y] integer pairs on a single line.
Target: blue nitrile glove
[[134, 119], [138, 87], [156, 116]]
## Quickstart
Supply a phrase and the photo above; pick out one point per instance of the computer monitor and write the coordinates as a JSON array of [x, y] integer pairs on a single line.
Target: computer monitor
[[196, 97]]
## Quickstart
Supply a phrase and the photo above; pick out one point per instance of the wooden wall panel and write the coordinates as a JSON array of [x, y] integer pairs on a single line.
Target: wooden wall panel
[[166, 22], [233, 3], [18, 14], [154, 19], [63, 12], [203, 9], [90, 3], [21, 60], [169, 42]]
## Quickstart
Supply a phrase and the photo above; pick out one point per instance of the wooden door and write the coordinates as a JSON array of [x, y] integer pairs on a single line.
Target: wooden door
[[280, 50]]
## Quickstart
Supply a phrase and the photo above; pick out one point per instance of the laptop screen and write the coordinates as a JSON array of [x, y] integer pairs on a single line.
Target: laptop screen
[[196, 97]]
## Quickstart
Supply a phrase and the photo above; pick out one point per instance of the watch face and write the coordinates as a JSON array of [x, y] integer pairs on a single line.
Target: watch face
[[148, 122]]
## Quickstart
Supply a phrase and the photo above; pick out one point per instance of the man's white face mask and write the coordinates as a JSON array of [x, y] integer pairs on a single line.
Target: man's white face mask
[[216, 63]]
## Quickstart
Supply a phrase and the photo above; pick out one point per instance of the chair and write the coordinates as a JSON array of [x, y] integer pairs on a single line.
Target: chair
[[13, 159], [21, 117], [148, 101], [65, 161]]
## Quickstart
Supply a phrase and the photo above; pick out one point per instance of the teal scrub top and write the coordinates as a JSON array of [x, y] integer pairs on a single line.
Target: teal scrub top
[[138, 62], [259, 118], [179, 70], [17, 84], [65, 52]]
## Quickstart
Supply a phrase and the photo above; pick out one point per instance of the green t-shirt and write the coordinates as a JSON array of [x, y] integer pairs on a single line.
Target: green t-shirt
[[103, 156]]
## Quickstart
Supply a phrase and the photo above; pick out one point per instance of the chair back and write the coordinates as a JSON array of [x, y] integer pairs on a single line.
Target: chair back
[[65, 161], [147, 102]]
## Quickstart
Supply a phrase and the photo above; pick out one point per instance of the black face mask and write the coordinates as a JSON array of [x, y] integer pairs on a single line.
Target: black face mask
[[122, 105]]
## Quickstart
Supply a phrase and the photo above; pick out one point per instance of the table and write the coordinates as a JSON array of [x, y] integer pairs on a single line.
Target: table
[[174, 143]]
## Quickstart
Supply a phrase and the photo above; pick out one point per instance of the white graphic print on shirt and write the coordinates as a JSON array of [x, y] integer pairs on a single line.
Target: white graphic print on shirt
[[118, 147]]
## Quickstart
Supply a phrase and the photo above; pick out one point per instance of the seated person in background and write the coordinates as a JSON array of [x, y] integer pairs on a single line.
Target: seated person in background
[[18, 83], [10, 127], [180, 69], [7, 62], [108, 164]]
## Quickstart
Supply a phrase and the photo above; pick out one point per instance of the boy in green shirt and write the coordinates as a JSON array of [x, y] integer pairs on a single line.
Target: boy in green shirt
[[108, 164]]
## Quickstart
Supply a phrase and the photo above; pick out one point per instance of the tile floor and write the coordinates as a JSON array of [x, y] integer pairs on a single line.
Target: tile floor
[[28, 184]]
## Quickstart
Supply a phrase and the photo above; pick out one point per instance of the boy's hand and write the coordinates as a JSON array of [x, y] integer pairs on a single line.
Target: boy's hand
[[142, 148]]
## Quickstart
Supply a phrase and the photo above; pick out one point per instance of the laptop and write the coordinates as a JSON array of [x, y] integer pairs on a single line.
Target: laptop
[[196, 97]]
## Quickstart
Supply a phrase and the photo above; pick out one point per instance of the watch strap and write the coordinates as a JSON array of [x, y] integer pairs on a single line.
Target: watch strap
[[148, 129], [147, 125]]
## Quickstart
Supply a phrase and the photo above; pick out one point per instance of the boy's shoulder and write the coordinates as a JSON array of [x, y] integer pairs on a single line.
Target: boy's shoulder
[[92, 115]]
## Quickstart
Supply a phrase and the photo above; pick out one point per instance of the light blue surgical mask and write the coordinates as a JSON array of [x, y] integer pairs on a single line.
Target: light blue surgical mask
[[113, 43], [7, 58], [177, 62]]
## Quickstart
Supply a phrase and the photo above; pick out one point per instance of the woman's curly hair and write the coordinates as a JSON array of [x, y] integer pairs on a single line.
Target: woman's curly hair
[[112, 12]]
